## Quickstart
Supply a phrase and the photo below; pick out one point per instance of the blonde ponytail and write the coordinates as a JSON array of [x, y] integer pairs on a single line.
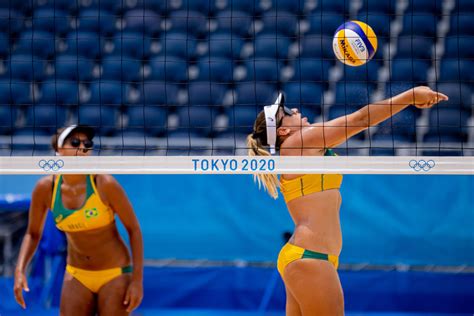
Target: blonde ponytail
[[269, 181]]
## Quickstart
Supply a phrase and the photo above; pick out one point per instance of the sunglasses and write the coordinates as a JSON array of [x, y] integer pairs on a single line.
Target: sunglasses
[[286, 112], [76, 142]]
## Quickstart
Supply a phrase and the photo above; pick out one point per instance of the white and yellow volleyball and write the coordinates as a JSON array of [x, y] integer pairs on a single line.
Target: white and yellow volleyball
[[354, 43]]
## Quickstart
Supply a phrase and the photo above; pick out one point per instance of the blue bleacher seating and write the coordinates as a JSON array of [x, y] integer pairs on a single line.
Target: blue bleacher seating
[[178, 45], [121, 68], [254, 93], [242, 117], [108, 93], [98, 21], [316, 46], [459, 47], [306, 97], [311, 70], [101, 117], [380, 23], [429, 6], [448, 121], [188, 22], [250, 6], [112, 6], [417, 47], [50, 20], [409, 70], [206, 93], [367, 73], [60, 92], [151, 119], [169, 68], [353, 94], [65, 5], [339, 6], [14, 92], [379, 7], [8, 115], [402, 123], [73, 67], [225, 45], [216, 69], [280, 22], [457, 70], [87, 44], [46, 117], [25, 67], [421, 24], [325, 23], [159, 93], [460, 24], [197, 120], [133, 44], [4, 45], [263, 70], [11, 21], [460, 95], [205, 7], [234, 22], [292, 6], [142, 21], [463, 6], [40, 43], [270, 46]]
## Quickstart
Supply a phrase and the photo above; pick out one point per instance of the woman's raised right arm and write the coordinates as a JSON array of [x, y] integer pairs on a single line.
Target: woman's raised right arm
[[40, 202]]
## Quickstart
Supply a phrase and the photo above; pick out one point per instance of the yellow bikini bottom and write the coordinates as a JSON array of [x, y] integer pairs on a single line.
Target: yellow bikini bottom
[[290, 253], [95, 279]]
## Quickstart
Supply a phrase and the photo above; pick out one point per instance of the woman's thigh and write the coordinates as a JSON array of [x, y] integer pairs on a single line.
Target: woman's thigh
[[76, 299]]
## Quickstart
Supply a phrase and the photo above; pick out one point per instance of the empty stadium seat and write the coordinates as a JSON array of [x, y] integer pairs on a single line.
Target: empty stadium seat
[[121, 68], [11, 21], [132, 44], [434, 7], [65, 5], [380, 23], [216, 69], [234, 22], [367, 73], [101, 117], [293, 6], [306, 97], [263, 70], [188, 22], [60, 92], [464, 6], [206, 93], [255, 93], [457, 70], [14, 92], [179, 45], [87, 44], [268, 46], [50, 20], [460, 95], [142, 21], [73, 67], [250, 6], [316, 46], [8, 115], [47, 117], [225, 45], [159, 93], [205, 7], [97, 21], [280, 22], [108, 93], [106, 5], [459, 47], [242, 118], [26, 67], [40, 43], [402, 123], [377, 6], [420, 24], [417, 47], [447, 121], [409, 70], [325, 23], [313, 70], [169, 68], [338, 6], [353, 94], [150, 119], [460, 24], [197, 120]]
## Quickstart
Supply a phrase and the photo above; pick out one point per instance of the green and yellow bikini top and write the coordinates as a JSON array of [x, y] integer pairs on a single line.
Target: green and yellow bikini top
[[93, 213], [310, 183]]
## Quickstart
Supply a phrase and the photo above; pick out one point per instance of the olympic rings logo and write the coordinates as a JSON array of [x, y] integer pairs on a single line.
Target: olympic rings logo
[[51, 165], [424, 165]]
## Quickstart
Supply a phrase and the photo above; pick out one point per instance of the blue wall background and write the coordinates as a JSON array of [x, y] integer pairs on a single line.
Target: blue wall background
[[385, 219]]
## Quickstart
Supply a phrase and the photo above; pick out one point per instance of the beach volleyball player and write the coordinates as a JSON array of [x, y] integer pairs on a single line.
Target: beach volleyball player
[[101, 276]]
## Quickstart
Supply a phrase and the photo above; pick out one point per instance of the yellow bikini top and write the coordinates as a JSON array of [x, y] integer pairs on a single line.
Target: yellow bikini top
[[93, 213], [309, 183]]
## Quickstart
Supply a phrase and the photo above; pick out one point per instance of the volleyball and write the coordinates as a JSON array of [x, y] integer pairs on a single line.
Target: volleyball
[[354, 43]]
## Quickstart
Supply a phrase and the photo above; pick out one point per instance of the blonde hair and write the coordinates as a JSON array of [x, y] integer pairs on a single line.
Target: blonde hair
[[255, 145]]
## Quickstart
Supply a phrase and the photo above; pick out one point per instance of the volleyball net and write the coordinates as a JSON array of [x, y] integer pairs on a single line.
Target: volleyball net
[[182, 80]]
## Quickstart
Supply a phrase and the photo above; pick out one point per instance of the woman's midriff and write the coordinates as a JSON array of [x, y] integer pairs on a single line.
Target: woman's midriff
[[97, 249], [317, 223]]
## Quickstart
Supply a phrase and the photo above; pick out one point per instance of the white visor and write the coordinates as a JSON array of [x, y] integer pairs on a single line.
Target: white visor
[[271, 121]]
